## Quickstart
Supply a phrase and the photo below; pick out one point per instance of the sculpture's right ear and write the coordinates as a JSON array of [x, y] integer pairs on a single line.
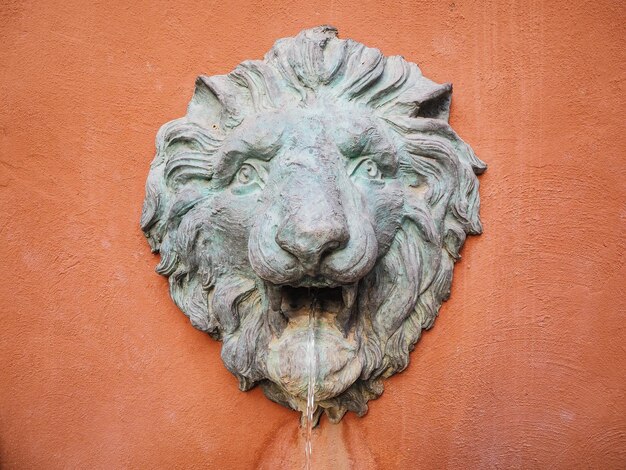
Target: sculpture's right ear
[[205, 108], [213, 103]]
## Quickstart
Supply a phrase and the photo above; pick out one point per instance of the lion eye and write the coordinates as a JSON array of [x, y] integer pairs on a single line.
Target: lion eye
[[246, 174], [368, 169], [372, 169]]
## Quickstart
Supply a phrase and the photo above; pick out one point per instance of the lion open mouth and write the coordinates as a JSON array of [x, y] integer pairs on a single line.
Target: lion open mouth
[[331, 311], [333, 303]]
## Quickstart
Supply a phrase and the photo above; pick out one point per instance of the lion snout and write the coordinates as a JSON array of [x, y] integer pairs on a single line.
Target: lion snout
[[312, 234]]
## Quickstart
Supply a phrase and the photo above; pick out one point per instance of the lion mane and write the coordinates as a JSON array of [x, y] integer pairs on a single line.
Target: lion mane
[[401, 295]]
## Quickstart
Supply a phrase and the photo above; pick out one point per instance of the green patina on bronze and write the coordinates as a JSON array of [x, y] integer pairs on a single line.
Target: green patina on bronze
[[325, 176]]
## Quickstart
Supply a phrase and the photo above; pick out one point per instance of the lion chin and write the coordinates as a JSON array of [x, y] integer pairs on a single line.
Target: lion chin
[[336, 359]]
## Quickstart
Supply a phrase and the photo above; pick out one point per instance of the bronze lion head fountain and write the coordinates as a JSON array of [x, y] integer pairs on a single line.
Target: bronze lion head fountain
[[324, 178]]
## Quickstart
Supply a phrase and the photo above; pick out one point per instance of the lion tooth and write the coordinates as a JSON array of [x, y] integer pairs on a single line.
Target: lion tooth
[[343, 318], [349, 295], [277, 322], [275, 296]]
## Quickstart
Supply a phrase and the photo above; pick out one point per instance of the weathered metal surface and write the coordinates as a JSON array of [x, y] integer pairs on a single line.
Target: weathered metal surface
[[324, 177]]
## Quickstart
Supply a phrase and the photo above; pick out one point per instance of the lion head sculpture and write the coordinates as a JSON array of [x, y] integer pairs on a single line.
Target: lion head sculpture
[[323, 183]]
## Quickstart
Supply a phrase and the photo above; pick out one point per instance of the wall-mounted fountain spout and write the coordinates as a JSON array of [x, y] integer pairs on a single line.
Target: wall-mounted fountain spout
[[309, 209]]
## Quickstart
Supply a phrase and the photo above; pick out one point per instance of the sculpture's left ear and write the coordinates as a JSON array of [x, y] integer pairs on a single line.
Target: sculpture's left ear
[[422, 98], [436, 104]]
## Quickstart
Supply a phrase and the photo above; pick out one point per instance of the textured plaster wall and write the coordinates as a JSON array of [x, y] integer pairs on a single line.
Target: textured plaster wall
[[525, 366]]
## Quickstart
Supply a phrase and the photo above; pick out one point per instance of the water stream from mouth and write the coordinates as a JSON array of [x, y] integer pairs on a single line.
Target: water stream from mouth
[[310, 400]]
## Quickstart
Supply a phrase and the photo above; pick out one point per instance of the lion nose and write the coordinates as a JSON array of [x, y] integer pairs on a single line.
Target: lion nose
[[311, 234]]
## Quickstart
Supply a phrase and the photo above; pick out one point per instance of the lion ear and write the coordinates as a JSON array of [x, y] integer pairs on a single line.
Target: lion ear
[[213, 103], [436, 104], [422, 99]]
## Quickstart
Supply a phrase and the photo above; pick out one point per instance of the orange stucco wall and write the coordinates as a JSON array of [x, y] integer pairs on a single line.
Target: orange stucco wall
[[525, 365]]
